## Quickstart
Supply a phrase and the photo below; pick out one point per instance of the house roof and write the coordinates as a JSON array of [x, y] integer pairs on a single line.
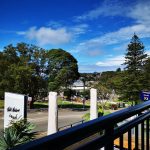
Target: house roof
[[78, 83]]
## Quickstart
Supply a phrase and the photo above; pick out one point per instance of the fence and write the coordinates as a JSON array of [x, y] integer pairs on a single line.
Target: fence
[[102, 133], [71, 125]]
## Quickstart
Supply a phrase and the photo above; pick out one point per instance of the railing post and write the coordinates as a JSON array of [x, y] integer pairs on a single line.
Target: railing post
[[109, 132], [147, 134], [121, 141], [142, 135], [129, 140], [136, 136]]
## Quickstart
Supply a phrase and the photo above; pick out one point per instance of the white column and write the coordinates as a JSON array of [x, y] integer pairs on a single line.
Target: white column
[[52, 113], [93, 104]]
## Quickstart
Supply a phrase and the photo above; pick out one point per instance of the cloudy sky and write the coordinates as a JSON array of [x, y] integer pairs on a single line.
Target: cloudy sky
[[95, 32]]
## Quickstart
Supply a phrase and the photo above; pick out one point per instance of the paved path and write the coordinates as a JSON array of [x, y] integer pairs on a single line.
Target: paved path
[[65, 117]]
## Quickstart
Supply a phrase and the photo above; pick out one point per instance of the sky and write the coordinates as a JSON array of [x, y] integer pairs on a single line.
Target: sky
[[95, 32]]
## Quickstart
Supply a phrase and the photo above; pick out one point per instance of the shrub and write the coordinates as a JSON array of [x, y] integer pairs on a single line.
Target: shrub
[[18, 132], [86, 117]]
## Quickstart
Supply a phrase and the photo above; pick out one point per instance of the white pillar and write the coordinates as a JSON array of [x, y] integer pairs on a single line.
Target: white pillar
[[93, 104], [52, 113]]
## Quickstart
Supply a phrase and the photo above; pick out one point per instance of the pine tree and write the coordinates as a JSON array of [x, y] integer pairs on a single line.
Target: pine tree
[[147, 75], [134, 62]]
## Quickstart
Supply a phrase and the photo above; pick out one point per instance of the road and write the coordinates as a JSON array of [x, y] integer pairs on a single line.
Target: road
[[65, 117]]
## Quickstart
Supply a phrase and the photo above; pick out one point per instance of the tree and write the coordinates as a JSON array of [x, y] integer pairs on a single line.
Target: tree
[[30, 70], [62, 69], [21, 69], [118, 70], [134, 61], [146, 80], [3, 68], [7, 58]]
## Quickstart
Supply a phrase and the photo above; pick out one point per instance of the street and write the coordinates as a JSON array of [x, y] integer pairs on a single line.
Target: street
[[39, 118]]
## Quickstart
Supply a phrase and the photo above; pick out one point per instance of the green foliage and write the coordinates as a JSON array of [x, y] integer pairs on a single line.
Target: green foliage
[[90, 76], [62, 69], [129, 82], [103, 91], [118, 69], [28, 69], [10, 139], [86, 117], [1, 104], [21, 69], [25, 128], [107, 82], [68, 93], [132, 82], [62, 104], [106, 113], [146, 79], [17, 133], [85, 94]]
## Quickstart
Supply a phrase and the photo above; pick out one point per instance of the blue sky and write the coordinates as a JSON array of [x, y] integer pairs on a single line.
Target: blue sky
[[95, 32]]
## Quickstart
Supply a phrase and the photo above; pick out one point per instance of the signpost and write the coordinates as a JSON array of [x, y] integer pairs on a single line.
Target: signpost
[[145, 96], [15, 108]]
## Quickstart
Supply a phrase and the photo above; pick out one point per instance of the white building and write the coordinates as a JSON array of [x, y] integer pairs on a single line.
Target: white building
[[78, 86]]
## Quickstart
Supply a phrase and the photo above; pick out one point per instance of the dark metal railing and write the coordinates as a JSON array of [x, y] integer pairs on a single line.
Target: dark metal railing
[[114, 130], [71, 125]]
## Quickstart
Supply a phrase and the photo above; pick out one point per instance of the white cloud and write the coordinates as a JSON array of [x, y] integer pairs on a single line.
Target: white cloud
[[89, 47], [95, 52], [107, 8], [79, 29], [141, 12], [138, 10], [115, 61], [123, 35], [47, 35], [56, 34]]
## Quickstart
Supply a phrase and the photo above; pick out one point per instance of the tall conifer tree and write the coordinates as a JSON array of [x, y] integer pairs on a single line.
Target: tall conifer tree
[[134, 60]]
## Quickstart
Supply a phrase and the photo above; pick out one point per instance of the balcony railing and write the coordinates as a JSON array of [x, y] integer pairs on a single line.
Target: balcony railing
[[125, 129]]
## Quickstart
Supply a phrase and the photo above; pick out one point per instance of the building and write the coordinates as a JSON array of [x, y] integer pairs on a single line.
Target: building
[[79, 86]]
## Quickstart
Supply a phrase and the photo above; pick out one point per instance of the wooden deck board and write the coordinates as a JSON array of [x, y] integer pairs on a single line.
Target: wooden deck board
[[125, 142]]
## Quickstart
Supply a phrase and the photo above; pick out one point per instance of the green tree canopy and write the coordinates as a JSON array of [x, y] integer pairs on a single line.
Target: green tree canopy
[[134, 61], [21, 69], [62, 69], [146, 80]]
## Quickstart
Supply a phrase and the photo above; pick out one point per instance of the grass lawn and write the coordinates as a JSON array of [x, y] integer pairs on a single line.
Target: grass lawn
[[61, 104], [40, 105], [86, 117], [1, 104]]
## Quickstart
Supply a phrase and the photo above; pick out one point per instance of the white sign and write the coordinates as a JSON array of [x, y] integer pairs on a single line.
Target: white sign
[[29, 99], [15, 107]]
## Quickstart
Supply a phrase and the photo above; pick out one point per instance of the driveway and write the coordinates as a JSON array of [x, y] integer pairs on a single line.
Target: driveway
[[39, 118]]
